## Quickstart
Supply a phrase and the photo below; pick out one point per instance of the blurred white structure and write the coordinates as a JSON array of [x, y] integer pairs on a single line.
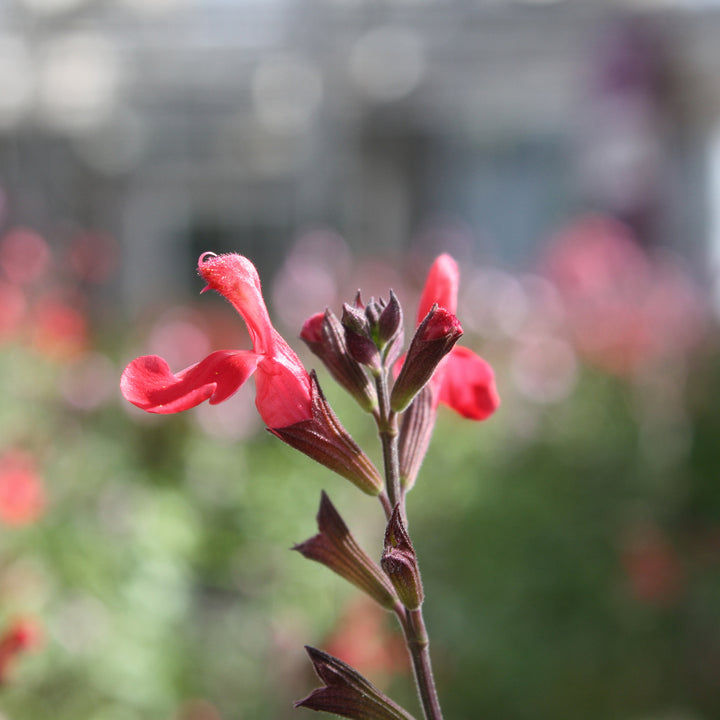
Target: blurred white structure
[[184, 125]]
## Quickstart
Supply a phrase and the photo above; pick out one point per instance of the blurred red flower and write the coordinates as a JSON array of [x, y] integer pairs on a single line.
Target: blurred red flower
[[60, 329], [652, 567], [364, 641], [22, 496], [20, 635]]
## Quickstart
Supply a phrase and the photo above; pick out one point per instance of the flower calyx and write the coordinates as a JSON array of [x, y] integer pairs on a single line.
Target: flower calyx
[[416, 429], [324, 334], [347, 693], [336, 548], [325, 440], [399, 562]]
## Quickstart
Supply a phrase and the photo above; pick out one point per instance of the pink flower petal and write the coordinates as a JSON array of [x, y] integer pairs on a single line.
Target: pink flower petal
[[441, 286], [468, 384], [148, 382]]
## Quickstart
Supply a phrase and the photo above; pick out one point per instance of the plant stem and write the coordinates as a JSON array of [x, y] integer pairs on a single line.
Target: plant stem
[[388, 430], [385, 502], [412, 622], [419, 648]]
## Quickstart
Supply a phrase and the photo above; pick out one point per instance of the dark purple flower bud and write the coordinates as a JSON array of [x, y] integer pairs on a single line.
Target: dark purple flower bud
[[325, 440], [400, 563], [372, 312], [325, 336], [355, 320], [416, 430], [347, 693], [390, 321], [358, 337], [433, 340], [336, 548]]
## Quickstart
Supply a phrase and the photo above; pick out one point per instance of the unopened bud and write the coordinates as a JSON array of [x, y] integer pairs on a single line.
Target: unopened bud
[[400, 563], [373, 310], [324, 335], [336, 548], [433, 340], [325, 440], [358, 337], [347, 693], [390, 331], [390, 321]]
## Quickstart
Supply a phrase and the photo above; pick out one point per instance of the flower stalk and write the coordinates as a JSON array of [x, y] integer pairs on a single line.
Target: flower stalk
[[387, 425], [360, 351], [411, 621]]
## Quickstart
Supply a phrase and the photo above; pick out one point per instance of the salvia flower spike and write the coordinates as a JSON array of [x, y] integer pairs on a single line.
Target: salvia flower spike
[[347, 693], [358, 351], [335, 547]]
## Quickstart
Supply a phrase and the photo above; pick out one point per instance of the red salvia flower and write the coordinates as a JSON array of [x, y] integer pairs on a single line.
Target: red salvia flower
[[283, 390], [463, 380]]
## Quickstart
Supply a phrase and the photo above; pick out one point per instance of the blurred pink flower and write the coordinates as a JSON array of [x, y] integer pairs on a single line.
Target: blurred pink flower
[[310, 276], [88, 381], [93, 256], [12, 309], [623, 308], [24, 255], [179, 336], [22, 496]]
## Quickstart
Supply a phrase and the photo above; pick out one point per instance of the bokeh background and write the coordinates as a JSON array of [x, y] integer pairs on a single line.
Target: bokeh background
[[567, 153]]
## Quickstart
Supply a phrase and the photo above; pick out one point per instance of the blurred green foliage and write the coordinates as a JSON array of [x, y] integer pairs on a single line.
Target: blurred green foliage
[[571, 556]]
